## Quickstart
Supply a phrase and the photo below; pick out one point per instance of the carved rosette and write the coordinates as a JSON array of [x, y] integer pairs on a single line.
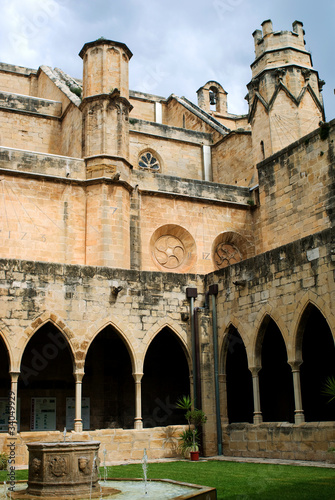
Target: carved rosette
[[169, 251], [229, 248], [226, 254], [173, 248]]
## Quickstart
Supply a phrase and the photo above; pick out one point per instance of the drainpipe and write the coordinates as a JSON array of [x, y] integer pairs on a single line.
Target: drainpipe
[[192, 293], [197, 359], [213, 291]]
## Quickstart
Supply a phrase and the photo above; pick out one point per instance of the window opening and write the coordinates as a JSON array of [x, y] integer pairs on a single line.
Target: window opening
[[148, 161], [213, 99]]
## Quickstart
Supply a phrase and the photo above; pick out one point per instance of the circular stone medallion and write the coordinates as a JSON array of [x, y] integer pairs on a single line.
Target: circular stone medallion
[[169, 251]]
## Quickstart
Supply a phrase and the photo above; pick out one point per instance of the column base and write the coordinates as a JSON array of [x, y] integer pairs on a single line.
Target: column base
[[299, 417], [258, 418], [78, 425], [138, 424]]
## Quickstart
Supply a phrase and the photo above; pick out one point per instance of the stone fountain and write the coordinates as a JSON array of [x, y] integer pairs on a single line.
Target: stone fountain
[[70, 470], [67, 470]]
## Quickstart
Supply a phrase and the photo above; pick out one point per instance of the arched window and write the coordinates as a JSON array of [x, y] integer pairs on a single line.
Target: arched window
[[213, 98], [149, 161]]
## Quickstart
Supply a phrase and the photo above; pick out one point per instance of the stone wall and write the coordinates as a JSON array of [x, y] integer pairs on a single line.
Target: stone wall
[[120, 444], [232, 160], [29, 131], [17, 79], [79, 300], [296, 190], [200, 222], [178, 151], [309, 441], [142, 109], [72, 132]]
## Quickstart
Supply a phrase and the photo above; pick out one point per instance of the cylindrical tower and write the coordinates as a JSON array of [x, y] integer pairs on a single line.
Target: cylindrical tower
[[105, 107], [105, 67]]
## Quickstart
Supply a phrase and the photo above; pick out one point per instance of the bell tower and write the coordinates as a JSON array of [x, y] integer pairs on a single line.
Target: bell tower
[[105, 108], [284, 94]]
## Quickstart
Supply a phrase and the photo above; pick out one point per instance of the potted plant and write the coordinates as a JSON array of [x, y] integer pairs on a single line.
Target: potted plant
[[329, 388], [190, 438], [194, 452]]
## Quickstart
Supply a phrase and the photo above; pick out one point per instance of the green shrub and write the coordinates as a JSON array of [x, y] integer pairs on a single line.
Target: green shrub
[[76, 90], [3, 461]]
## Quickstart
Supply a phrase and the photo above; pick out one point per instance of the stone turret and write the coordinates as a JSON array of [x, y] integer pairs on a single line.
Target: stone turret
[[285, 101], [106, 107]]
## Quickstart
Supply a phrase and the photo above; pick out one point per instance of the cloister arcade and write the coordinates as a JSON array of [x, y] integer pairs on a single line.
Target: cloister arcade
[[56, 389]]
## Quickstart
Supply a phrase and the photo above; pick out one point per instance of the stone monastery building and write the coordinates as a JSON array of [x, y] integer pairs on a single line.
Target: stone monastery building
[[153, 248]]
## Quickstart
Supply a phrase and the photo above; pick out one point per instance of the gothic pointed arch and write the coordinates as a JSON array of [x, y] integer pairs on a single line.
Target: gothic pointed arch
[[108, 384], [275, 375], [46, 378], [239, 394], [316, 351], [233, 324], [166, 377], [175, 327], [44, 318], [267, 314], [127, 338]]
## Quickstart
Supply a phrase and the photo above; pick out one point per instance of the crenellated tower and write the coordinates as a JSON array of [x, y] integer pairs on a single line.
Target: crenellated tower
[[105, 107], [285, 101]]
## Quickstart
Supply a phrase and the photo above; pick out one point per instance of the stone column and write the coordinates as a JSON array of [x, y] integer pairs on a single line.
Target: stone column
[[223, 398], [12, 401], [258, 417], [78, 422], [299, 416], [138, 422]]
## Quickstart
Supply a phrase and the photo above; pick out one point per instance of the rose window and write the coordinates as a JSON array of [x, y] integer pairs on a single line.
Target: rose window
[[148, 161]]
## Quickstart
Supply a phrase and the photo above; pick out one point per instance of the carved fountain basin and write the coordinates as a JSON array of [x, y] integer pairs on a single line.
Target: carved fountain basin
[[63, 470]]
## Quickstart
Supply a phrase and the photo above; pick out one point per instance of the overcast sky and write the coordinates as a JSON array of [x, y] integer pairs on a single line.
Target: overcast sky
[[178, 45]]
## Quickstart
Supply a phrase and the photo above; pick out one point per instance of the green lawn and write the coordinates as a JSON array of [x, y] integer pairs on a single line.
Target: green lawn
[[243, 481], [237, 480]]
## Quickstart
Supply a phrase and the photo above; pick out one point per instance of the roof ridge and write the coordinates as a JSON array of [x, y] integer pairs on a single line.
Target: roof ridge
[[218, 126], [57, 78]]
